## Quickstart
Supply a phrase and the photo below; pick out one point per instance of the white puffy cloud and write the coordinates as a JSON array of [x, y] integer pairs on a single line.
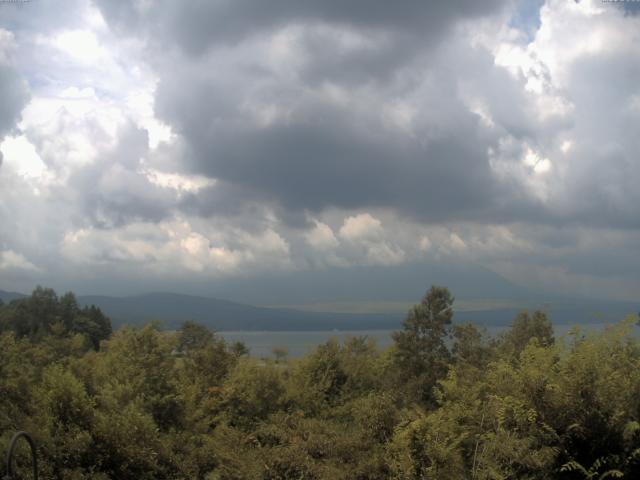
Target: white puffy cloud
[[21, 156], [321, 237], [425, 243], [365, 235], [177, 247], [361, 227], [11, 261]]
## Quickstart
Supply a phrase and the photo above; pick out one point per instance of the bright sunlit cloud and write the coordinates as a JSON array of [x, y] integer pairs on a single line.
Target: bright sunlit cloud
[[81, 45]]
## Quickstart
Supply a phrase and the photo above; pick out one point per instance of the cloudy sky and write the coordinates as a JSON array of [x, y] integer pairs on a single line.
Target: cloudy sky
[[173, 145]]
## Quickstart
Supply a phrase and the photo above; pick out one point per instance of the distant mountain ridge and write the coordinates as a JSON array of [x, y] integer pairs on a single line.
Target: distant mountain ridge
[[406, 282], [171, 309], [7, 297], [222, 315]]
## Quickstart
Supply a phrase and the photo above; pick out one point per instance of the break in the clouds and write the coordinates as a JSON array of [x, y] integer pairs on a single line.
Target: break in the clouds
[[210, 140]]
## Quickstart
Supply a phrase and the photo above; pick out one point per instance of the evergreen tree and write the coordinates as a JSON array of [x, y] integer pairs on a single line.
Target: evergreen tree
[[421, 353]]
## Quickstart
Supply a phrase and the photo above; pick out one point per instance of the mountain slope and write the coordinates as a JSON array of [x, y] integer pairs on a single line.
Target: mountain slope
[[7, 297], [406, 282], [222, 315], [172, 309]]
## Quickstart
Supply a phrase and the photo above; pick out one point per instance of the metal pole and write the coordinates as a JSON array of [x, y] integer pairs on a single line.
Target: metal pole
[[12, 447]]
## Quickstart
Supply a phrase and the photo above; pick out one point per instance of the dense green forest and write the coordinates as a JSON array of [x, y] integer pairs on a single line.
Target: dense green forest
[[443, 402]]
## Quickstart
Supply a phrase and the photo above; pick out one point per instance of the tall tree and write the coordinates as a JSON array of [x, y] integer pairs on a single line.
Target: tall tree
[[420, 349], [193, 336], [526, 327]]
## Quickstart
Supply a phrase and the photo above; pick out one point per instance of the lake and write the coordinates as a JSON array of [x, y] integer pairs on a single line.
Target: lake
[[261, 344]]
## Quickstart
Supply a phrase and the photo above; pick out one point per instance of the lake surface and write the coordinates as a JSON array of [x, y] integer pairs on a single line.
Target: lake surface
[[261, 344]]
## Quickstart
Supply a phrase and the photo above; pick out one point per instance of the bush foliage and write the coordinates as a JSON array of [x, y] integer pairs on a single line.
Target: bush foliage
[[443, 402]]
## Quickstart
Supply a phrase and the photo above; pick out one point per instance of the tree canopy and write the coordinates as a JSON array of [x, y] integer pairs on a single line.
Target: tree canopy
[[443, 402]]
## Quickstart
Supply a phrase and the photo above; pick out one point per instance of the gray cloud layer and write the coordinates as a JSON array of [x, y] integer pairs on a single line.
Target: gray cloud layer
[[196, 26], [319, 152], [315, 133]]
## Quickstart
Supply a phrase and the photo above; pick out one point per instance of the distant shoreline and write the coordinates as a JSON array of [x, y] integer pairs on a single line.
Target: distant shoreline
[[300, 342]]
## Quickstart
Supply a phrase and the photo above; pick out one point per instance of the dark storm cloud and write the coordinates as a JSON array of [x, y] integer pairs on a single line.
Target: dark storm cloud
[[195, 26], [375, 60], [323, 157], [322, 154], [221, 199], [14, 95], [325, 154], [318, 153]]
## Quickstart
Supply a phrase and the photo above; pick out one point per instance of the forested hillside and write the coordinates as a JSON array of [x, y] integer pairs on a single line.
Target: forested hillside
[[444, 402]]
